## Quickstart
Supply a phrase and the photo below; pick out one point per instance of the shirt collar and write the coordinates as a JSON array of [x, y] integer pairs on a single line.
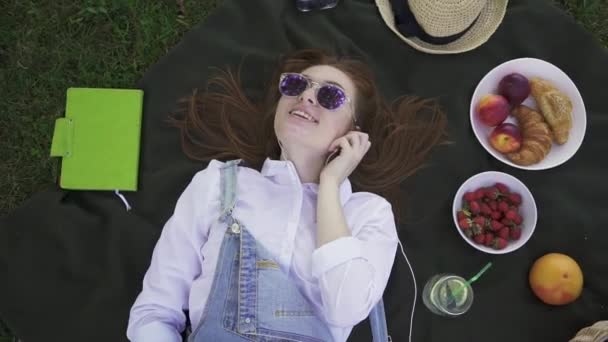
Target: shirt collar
[[284, 172]]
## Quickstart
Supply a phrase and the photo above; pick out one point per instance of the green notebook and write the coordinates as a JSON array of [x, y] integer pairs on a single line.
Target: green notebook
[[98, 139]]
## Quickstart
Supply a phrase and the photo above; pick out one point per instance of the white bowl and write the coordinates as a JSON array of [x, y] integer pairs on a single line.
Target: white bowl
[[531, 67], [527, 208]]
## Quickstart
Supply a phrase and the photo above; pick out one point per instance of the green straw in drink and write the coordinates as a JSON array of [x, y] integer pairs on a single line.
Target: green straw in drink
[[470, 281]]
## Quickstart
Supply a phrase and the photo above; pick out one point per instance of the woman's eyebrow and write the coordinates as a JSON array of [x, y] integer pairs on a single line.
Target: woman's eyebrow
[[335, 83], [329, 82]]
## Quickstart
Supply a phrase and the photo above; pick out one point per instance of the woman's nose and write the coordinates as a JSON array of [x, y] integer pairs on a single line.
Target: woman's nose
[[309, 96]]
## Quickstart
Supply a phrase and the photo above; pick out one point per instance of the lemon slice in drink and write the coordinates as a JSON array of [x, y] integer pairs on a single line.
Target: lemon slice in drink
[[451, 293]]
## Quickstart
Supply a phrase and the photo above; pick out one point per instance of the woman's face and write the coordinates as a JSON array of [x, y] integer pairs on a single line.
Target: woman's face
[[327, 125]]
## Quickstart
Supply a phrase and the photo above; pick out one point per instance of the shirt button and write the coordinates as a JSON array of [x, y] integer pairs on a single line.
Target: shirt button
[[235, 228], [247, 320]]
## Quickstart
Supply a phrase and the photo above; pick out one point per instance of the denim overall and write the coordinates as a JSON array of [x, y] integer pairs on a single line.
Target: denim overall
[[251, 299]]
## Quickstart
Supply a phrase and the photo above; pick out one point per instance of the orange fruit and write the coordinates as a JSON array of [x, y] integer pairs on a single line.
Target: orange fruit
[[556, 279]]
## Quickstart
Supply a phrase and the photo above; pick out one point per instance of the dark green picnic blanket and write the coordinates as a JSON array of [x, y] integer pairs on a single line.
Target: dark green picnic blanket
[[71, 263]]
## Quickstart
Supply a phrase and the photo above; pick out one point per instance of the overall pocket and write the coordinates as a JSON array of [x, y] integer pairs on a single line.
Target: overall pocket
[[282, 310]]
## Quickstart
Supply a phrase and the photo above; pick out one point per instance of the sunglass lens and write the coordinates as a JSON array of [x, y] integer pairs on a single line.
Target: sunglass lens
[[330, 97], [293, 85]]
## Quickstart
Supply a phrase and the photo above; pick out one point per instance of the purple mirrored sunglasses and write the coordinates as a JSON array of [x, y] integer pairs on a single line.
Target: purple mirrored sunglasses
[[329, 96]]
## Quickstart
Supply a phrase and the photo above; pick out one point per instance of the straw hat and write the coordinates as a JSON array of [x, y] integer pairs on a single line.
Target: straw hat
[[443, 26], [595, 333]]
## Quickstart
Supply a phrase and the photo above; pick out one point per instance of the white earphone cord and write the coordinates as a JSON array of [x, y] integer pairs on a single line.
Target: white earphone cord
[[415, 290]]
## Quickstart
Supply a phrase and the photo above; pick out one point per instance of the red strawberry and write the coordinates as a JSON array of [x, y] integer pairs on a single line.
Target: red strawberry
[[464, 224], [493, 205], [477, 230], [502, 188], [485, 209], [511, 215], [461, 215], [499, 243], [475, 208], [479, 193], [492, 193], [495, 225], [515, 233], [504, 233], [479, 239], [503, 206], [489, 239], [496, 215], [518, 219], [515, 199], [480, 221], [469, 196], [505, 221]]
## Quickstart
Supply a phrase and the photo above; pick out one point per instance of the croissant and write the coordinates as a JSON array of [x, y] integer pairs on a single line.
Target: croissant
[[555, 106], [536, 137]]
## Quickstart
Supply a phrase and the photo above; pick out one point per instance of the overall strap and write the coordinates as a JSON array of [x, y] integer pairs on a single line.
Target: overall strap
[[228, 180], [377, 319]]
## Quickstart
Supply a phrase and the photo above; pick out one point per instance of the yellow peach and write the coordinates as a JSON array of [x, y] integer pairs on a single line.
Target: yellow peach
[[556, 279]]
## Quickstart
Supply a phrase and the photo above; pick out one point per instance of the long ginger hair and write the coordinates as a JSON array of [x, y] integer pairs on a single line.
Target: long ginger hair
[[223, 123]]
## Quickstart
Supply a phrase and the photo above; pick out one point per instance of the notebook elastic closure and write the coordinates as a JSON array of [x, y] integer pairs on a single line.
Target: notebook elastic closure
[[63, 137]]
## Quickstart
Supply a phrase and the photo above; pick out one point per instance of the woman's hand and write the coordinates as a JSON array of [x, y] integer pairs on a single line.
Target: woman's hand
[[353, 146]]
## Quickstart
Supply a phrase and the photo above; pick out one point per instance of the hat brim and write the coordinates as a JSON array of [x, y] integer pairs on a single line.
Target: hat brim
[[490, 18]]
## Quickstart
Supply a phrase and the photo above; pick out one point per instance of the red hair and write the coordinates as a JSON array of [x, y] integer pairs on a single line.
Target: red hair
[[223, 123]]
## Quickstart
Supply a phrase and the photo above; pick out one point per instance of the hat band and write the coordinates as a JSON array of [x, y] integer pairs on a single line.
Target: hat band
[[406, 23]]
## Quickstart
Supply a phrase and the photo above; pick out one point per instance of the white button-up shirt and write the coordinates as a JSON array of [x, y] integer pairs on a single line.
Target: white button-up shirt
[[343, 279]]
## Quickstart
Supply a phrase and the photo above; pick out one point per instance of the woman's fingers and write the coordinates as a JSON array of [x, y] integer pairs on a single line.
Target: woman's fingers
[[364, 144], [338, 142], [345, 145], [358, 141]]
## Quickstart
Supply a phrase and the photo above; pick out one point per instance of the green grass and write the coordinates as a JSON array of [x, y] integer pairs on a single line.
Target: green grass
[[592, 14], [48, 46]]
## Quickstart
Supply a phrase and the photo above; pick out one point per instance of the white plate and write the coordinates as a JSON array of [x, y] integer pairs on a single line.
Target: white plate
[[527, 209], [531, 67]]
